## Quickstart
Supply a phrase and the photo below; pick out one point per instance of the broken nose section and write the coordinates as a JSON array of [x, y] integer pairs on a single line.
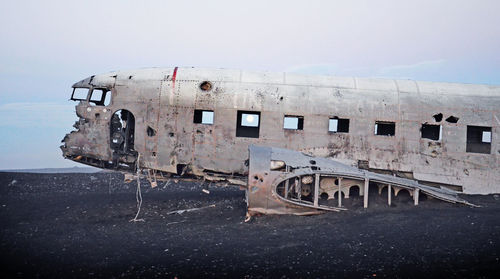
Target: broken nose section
[[282, 181]]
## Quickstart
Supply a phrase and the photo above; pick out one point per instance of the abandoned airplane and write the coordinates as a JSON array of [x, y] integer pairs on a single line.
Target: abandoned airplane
[[291, 141]]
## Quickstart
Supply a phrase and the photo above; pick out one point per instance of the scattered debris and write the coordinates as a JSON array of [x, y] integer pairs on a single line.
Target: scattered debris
[[171, 223], [189, 209], [138, 194], [166, 184], [248, 217]]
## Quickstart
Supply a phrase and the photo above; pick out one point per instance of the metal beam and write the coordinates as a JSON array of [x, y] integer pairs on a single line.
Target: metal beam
[[416, 193], [365, 193], [340, 192], [287, 184], [389, 194], [316, 189]]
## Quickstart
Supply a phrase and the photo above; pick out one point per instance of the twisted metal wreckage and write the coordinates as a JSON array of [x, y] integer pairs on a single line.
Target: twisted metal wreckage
[[292, 142]]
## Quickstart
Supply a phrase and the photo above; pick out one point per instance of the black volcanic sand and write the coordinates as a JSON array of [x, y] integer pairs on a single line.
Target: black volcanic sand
[[77, 225]]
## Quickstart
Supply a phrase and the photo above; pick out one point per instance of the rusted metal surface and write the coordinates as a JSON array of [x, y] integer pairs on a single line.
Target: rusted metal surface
[[268, 193], [162, 103]]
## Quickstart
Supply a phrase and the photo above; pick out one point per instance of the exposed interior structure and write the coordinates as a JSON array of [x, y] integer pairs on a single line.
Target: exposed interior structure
[[301, 183], [122, 131]]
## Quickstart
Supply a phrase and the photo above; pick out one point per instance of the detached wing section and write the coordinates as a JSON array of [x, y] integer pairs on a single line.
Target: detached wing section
[[282, 181]]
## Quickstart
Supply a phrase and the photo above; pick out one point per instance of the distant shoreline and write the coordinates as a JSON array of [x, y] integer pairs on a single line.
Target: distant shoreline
[[57, 170]]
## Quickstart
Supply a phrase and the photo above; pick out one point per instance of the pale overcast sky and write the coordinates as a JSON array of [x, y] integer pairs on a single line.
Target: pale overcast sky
[[46, 46]]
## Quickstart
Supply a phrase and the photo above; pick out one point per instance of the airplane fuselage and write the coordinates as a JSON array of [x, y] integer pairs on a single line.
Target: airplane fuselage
[[200, 121]]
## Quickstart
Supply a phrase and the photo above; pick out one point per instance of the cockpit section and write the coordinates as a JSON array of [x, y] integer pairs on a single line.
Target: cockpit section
[[104, 134]]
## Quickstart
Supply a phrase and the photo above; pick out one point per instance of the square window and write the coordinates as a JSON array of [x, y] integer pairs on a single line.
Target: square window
[[100, 97], [338, 125], [478, 139], [80, 94], [432, 132], [248, 124], [203, 117], [293, 122], [385, 128]]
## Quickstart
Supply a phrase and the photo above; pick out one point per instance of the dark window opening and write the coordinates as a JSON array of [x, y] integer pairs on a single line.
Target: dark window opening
[[363, 164], [338, 125], [100, 97], [385, 128], [432, 132], [248, 124], [151, 132], [438, 117], [203, 117], [478, 139], [291, 122], [80, 94], [452, 119]]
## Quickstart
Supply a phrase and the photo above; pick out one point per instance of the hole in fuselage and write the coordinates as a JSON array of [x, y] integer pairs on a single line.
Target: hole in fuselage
[[181, 168], [452, 119], [151, 132], [438, 117], [206, 86]]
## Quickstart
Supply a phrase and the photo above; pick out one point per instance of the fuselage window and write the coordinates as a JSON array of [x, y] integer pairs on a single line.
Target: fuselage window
[[203, 117], [478, 139], [338, 125], [432, 132], [291, 122], [383, 128], [80, 94], [248, 124], [100, 97]]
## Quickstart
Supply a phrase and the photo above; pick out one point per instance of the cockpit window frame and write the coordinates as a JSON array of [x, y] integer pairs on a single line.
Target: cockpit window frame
[[106, 96], [78, 99]]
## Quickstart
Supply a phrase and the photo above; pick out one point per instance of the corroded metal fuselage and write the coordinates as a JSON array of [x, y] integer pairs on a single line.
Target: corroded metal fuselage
[[436, 133]]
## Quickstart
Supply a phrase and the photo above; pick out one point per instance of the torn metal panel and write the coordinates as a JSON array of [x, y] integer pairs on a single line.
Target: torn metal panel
[[269, 187]]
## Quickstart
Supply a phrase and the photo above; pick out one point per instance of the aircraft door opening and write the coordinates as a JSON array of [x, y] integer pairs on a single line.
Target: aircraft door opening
[[122, 129]]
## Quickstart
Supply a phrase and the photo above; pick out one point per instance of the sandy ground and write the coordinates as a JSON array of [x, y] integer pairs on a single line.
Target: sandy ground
[[77, 225]]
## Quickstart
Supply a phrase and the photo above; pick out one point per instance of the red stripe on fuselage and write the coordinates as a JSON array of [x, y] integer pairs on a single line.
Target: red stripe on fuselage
[[173, 78]]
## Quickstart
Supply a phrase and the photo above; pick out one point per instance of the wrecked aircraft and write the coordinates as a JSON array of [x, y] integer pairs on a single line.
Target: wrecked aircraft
[[291, 141]]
